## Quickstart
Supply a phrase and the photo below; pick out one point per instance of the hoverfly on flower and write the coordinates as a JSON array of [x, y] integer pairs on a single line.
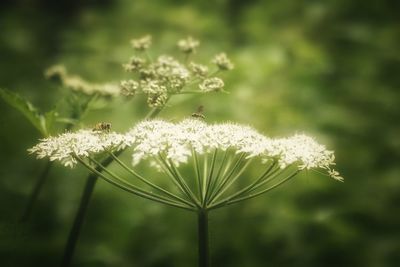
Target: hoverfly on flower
[[102, 127], [199, 114]]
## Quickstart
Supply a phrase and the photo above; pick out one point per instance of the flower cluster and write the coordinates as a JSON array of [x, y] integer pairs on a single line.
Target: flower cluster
[[165, 76], [188, 45], [176, 141], [212, 85], [129, 87], [198, 69], [77, 84], [82, 143], [142, 43], [222, 62]]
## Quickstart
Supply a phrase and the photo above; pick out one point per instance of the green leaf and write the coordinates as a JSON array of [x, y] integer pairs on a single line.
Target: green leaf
[[50, 117], [26, 108], [67, 120]]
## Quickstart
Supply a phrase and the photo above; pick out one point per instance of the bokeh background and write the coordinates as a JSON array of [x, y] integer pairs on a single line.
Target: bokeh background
[[325, 68]]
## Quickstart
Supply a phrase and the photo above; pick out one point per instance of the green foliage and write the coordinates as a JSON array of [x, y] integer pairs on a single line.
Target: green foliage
[[42, 122]]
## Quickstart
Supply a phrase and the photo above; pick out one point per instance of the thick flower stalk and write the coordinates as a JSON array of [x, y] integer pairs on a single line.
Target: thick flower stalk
[[82, 94], [220, 155]]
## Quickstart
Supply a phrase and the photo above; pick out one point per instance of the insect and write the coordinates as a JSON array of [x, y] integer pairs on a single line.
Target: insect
[[199, 113], [102, 127]]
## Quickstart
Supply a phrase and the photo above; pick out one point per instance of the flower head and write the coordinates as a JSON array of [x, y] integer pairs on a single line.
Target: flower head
[[78, 84], [223, 62], [134, 64], [142, 43], [177, 141], [188, 45], [212, 85], [58, 72], [160, 78], [170, 72], [198, 69], [82, 143], [129, 87]]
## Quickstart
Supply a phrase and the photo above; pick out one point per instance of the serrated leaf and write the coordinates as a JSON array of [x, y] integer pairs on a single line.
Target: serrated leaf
[[29, 111]]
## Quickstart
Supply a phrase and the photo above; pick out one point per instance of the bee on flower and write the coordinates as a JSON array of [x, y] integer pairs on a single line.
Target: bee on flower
[[102, 127], [199, 114]]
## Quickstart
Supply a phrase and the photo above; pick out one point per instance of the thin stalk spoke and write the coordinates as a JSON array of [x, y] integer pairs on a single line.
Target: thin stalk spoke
[[129, 185], [179, 182], [252, 185], [146, 181], [154, 112], [132, 190], [230, 202], [233, 180], [167, 170], [217, 178], [198, 175], [210, 176], [268, 178], [184, 184], [226, 178], [204, 178]]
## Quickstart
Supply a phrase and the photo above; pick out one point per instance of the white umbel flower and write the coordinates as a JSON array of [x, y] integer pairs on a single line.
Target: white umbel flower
[[176, 141], [82, 143]]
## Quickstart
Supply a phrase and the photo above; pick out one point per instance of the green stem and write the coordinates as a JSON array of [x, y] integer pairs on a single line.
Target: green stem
[[123, 184], [197, 171], [167, 170], [219, 174], [209, 179], [73, 235], [252, 185], [179, 179], [185, 185], [223, 189], [253, 195], [270, 177], [41, 180], [149, 58], [226, 178], [185, 92], [132, 189], [203, 241], [153, 113], [146, 181], [78, 221], [35, 192], [204, 178]]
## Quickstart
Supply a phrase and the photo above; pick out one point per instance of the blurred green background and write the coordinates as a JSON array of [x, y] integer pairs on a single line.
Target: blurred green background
[[326, 68]]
